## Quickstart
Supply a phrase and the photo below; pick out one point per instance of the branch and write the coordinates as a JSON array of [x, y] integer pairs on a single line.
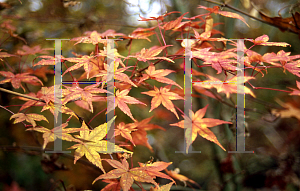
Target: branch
[[22, 95], [248, 15]]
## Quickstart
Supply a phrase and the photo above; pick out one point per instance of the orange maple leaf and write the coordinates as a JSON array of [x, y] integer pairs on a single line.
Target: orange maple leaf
[[163, 96], [117, 73], [40, 72], [175, 174], [121, 100], [94, 143], [125, 130], [219, 61], [140, 136], [17, 79], [158, 75], [85, 94], [48, 60], [58, 132], [149, 54], [30, 118], [113, 185], [141, 33], [228, 87], [84, 61], [153, 169], [128, 176], [5, 55], [199, 125], [263, 40], [161, 17], [32, 51], [216, 10], [173, 24], [94, 37], [293, 67]]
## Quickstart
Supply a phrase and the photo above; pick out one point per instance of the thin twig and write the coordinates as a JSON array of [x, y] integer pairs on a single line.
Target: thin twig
[[22, 95]]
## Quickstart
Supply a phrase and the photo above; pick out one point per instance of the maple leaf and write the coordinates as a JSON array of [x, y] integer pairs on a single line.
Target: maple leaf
[[263, 40], [141, 33], [173, 24], [199, 125], [175, 174], [267, 58], [30, 102], [216, 10], [140, 136], [113, 70], [85, 94], [58, 132], [228, 86], [83, 61], [219, 61], [166, 187], [40, 72], [94, 37], [30, 118], [54, 109], [290, 23], [5, 55], [163, 96], [114, 185], [18, 78], [48, 60], [128, 176], [293, 67], [32, 51], [161, 17], [290, 110], [295, 91], [125, 130], [158, 75], [94, 144], [121, 100], [153, 169], [149, 54]]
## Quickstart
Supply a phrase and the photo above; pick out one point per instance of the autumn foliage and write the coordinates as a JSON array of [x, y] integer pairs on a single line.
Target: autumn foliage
[[159, 91]]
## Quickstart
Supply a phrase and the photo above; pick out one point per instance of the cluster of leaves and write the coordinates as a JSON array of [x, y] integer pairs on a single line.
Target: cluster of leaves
[[205, 52]]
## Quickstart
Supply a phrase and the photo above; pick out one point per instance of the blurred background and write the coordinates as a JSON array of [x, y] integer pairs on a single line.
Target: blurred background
[[276, 160]]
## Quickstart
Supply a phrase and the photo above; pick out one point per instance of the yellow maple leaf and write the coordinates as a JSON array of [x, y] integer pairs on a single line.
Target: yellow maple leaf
[[94, 143]]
